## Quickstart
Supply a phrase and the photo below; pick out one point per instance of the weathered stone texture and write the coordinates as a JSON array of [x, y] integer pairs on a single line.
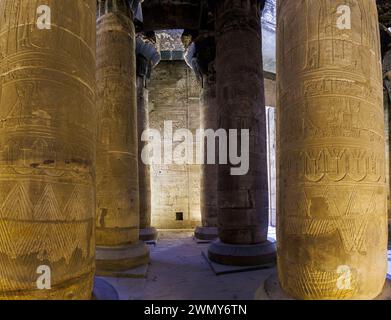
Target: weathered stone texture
[[387, 104], [243, 200], [270, 90], [47, 156], [117, 216], [174, 95], [209, 172], [144, 169], [332, 201]]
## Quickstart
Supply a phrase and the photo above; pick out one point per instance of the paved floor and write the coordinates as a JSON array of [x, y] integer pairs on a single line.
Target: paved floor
[[178, 271]]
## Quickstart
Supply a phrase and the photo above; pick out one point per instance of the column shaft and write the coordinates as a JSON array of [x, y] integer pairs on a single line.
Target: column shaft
[[387, 104], [209, 172], [242, 199], [147, 58], [47, 156], [117, 223], [332, 224], [143, 169]]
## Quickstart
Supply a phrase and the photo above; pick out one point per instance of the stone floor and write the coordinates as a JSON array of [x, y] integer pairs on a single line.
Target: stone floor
[[178, 271]]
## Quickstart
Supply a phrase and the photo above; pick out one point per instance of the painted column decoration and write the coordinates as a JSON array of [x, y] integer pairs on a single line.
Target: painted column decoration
[[117, 216], [47, 155], [332, 202]]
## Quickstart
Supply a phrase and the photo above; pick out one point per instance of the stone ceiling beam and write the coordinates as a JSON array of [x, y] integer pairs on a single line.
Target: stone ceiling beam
[[171, 14]]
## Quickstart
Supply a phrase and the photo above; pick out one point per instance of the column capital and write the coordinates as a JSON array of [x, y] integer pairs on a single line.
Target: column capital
[[234, 15], [147, 56], [126, 7], [200, 55]]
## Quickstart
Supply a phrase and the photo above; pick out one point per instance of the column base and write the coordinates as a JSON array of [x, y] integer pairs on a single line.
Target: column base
[[242, 255], [148, 234], [206, 233], [104, 290], [112, 260], [272, 290], [79, 288]]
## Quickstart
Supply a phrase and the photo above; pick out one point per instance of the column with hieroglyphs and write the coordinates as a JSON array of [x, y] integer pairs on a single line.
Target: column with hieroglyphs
[[332, 201], [147, 58], [386, 58], [117, 216], [242, 198], [47, 149], [200, 56]]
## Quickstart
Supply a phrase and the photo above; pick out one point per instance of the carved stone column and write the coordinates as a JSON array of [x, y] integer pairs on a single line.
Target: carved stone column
[[332, 226], [242, 199], [117, 217], [47, 158], [200, 56], [147, 58], [386, 58]]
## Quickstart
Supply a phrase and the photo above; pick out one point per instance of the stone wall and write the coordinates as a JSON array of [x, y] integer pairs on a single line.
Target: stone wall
[[174, 94]]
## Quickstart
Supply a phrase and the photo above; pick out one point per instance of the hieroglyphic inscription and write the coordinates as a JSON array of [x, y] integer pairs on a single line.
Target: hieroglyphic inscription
[[175, 187], [331, 167], [47, 148], [117, 216], [242, 200]]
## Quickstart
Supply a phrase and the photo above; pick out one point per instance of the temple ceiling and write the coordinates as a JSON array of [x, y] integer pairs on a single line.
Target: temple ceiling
[[168, 18]]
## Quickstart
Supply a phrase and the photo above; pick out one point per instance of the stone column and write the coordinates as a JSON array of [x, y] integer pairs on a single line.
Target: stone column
[[386, 58], [201, 57], [147, 58], [209, 172], [47, 150], [242, 199], [332, 225], [117, 217]]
